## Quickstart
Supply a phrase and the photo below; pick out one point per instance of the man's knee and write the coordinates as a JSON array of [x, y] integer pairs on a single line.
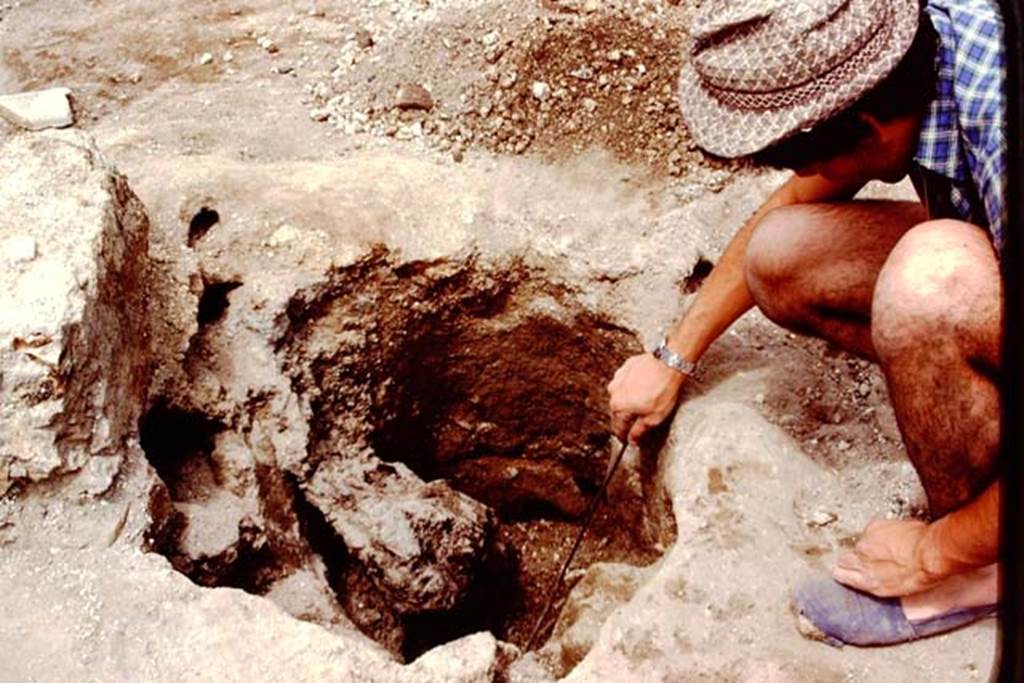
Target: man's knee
[[939, 285], [772, 265]]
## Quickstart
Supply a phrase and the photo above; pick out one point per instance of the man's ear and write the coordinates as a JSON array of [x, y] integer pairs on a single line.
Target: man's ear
[[872, 126]]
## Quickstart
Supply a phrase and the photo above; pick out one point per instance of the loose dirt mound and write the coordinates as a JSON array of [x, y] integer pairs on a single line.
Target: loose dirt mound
[[551, 78], [573, 82]]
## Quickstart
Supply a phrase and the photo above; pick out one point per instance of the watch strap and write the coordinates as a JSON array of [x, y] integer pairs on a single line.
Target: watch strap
[[673, 360]]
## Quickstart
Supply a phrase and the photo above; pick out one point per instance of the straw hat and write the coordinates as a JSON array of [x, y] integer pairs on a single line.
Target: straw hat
[[759, 71]]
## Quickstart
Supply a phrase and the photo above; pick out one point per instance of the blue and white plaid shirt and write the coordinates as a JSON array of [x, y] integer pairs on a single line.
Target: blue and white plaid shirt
[[962, 136]]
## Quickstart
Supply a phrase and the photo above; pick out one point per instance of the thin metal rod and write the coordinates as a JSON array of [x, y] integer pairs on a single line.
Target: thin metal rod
[[553, 590]]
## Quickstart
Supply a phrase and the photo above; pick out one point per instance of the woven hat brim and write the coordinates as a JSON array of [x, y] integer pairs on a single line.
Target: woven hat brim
[[731, 131]]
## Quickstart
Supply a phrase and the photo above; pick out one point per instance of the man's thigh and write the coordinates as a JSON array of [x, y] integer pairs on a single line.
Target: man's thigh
[[825, 257]]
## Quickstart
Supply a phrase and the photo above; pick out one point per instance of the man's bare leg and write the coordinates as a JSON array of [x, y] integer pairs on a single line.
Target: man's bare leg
[[936, 327], [813, 268], [925, 301]]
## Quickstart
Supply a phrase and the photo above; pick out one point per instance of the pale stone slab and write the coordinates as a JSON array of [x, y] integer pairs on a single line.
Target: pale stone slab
[[39, 109], [74, 354]]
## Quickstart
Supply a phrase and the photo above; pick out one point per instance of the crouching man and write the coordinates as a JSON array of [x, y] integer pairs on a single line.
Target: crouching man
[[843, 92]]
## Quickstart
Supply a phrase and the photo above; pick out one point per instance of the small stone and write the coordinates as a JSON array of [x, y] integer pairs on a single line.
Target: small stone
[[540, 90], [821, 518], [228, 56], [759, 399], [412, 96], [493, 54], [206, 58], [843, 445], [584, 73], [364, 39], [319, 114], [509, 79], [284, 69], [18, 249], [590, 105], [267, 44], [614, 56], [38, 109], [489, 39], [283, 235], [458, 155]]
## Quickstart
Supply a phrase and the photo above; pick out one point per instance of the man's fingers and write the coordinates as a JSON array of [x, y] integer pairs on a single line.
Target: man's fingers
[[621, 424], [850, 561], [851, 571], [853, 579], [876, 524], [638, 429]]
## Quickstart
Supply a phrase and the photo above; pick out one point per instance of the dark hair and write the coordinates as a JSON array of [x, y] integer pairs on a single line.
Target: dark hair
[[907, 89]]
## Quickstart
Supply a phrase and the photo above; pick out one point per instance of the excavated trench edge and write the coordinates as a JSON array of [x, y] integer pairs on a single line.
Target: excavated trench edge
[[492, 383]]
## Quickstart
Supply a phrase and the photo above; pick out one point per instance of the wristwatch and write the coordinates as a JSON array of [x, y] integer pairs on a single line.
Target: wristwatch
[[673, 359]]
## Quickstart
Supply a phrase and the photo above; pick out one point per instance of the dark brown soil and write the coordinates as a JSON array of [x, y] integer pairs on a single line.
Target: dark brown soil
[[544, 545]]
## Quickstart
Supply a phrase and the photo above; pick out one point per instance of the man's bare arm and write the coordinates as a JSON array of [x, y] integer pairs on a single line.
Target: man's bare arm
[[724, 296], [644, 391], [964, 539]]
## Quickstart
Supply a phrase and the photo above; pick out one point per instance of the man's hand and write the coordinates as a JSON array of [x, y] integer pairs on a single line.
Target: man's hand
[[893, 558], [643, 392]]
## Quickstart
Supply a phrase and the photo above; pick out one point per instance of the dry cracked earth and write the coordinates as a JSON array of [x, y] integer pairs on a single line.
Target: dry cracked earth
[[306, 326]]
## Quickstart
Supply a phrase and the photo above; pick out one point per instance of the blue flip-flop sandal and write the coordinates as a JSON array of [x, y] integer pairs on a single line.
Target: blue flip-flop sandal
[[829, 611]]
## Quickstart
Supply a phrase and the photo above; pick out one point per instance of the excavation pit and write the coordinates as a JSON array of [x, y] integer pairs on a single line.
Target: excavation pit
[[456, 430]]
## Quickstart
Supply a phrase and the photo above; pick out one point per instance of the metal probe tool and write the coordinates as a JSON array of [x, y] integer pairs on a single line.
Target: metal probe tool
[[587, 518]]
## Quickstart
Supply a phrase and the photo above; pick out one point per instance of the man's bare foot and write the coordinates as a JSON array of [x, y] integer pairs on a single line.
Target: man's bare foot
[[973, 589]]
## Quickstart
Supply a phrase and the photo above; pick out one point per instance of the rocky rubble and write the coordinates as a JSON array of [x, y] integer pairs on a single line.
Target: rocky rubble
[[123, 615], [386, 516], [553, 78]]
